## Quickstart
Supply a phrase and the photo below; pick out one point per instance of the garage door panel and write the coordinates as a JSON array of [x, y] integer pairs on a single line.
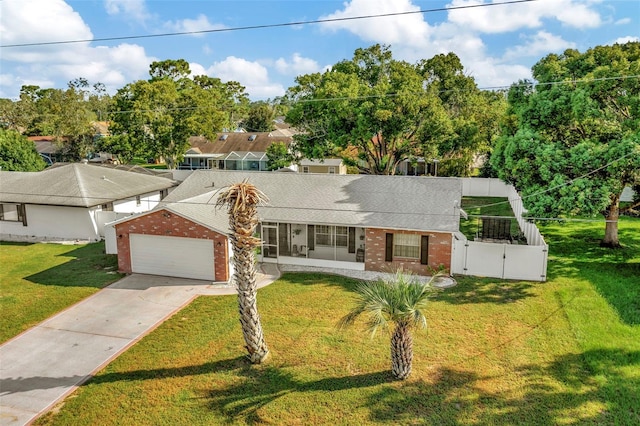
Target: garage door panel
[[172, 256]]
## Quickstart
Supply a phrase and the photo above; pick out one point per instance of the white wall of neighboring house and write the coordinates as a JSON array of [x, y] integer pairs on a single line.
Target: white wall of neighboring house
[[53, 223], [131, 205], [627, 194]]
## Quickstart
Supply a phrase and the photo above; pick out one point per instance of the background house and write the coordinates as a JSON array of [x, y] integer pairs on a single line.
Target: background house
[[231, 151], [73, 201], [360, 222], [328, 165]]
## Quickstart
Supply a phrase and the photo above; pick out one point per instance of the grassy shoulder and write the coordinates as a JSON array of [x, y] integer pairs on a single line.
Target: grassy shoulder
[[38, 280], [496, 352]]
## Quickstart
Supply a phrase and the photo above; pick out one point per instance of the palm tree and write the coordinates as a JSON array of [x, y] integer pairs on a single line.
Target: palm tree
[[397, 300], [242, 200]]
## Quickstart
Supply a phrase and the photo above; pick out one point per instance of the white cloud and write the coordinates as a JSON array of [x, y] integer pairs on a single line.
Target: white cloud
[[623, 21], [623, 40], [405, 29], [132, 9], [252, 75], [499, 19], [201, 23], [39, 21], [297, 65], [538, 45], [35, 21]]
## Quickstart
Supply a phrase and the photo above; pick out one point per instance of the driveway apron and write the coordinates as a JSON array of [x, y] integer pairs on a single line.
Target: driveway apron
[[47, 362]]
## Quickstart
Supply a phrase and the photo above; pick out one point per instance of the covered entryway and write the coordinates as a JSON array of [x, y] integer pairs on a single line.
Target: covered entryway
[[172, 256]]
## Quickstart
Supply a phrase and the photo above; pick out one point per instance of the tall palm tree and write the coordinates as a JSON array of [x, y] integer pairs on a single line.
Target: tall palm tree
[[396, 300], [242, 200]]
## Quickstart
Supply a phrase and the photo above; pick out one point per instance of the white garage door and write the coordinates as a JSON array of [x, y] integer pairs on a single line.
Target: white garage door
[[172, 256]]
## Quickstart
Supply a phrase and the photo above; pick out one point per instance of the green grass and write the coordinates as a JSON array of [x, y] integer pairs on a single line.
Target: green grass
[[562, 352], [38, 280], [486, 206]]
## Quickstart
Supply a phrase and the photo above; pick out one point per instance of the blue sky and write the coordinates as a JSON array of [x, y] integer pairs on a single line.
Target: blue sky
[[497, 44]]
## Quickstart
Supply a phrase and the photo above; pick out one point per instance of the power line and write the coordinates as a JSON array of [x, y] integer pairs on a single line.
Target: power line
[[570, 182], [384, 95], [265, 26]]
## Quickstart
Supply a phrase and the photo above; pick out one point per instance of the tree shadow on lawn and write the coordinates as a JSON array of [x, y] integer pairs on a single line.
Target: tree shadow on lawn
[[88, 266], [485, 290], [572, 385], [616, 282]]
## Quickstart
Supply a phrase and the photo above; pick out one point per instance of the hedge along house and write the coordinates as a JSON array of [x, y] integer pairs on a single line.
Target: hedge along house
[[359, 222], [73, 201]]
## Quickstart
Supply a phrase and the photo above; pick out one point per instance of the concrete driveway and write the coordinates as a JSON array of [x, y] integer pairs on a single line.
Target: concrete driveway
[[44, 364]]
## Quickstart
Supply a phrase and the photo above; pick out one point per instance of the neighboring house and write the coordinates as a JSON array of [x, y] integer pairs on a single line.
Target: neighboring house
[[48, 148], [73, 201], [231, 151], [360, 222], [417, 167], [330, 165]]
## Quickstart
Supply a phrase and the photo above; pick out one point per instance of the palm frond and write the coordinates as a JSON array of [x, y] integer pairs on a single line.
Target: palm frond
[[398, 298]]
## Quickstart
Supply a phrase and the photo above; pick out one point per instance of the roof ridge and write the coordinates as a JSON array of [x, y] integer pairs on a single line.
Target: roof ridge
[[80, 181]]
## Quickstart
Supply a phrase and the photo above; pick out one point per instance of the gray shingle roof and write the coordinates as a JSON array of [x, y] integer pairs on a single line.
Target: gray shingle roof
[[80, 185], [397, 202]]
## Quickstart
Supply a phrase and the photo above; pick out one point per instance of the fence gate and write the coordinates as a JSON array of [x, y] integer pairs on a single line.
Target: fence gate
[[506, 261]]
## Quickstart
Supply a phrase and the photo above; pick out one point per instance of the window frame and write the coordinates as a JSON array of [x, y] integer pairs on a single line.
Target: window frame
[[20, 213], [405, 247]]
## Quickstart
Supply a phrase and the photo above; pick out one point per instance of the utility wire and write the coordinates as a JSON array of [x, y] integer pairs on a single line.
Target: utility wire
[[570, 182], [264, 26], [384, 95]]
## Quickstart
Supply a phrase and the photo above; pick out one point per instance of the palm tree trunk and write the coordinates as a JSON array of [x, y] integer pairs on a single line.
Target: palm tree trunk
[[401, 351], [243, 199]]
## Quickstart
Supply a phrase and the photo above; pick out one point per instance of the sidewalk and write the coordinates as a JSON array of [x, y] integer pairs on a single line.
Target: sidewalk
[[47, 362]]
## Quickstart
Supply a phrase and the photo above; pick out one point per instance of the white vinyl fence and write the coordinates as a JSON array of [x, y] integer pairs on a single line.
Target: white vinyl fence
[[499, 260]]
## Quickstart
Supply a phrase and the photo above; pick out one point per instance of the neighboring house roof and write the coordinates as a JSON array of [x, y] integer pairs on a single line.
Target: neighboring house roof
[[226, 143], [325, 162], [396, 202], [78, 185], [127, 168]]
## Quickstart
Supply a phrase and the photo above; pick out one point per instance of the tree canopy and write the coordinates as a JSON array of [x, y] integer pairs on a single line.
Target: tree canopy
[[69, 115], [17, 153], [156, 117], [260, 117], [375, 112], [572, 142]]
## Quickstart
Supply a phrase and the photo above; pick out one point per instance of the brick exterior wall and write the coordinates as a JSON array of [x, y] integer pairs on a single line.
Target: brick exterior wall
[[374, 258], [173, 225]]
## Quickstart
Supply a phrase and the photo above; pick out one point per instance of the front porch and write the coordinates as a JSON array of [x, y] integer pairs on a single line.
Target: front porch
[[324, 246]]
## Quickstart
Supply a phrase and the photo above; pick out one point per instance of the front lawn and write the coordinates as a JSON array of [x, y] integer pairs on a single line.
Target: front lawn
[[38, 280], [562, 352]]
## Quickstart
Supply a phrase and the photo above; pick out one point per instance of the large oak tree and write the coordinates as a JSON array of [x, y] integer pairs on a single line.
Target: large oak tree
[[573, 143], [375, 112]]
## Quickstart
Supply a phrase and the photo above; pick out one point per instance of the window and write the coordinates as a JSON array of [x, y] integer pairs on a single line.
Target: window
[[138, 200], [305, 169], [331, 235], [341, 236], [406, 245], [332, 170], [13, 213], [107, 207], [163, 193], [324, 236]]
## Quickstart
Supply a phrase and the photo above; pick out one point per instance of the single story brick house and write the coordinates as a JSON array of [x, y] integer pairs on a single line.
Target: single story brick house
[[359, 222]]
